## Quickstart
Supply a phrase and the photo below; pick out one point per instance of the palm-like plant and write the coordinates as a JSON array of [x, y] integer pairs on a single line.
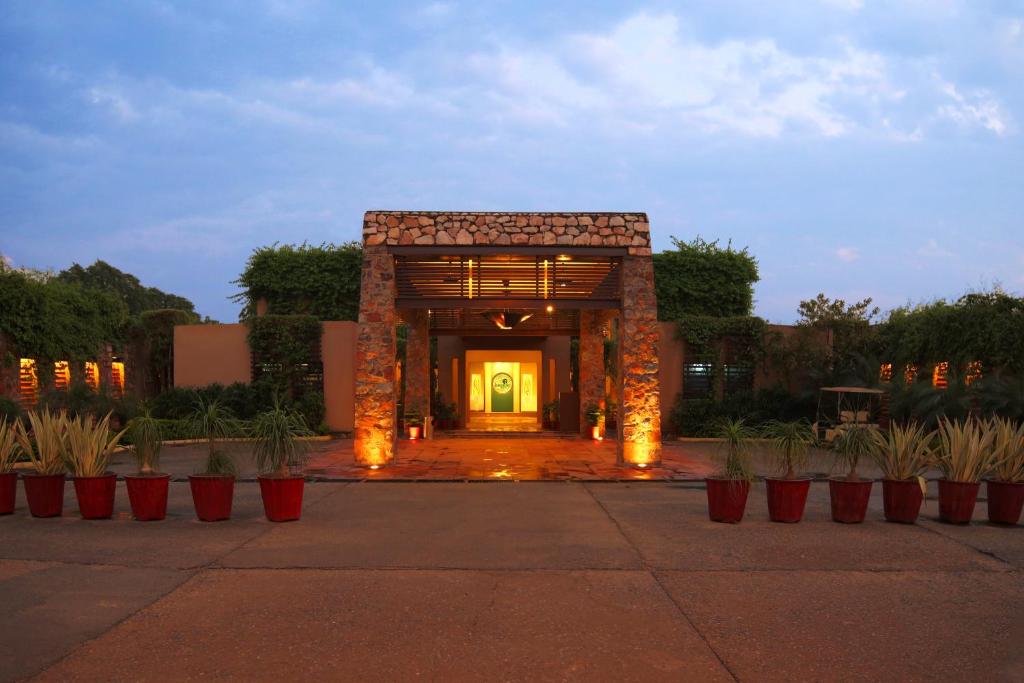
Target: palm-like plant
[[903, 451], [850, 445], [146, 442], [45, 445], [790, 442], [1009, 448], [735, 436], [89, 445], [8, 446], [214, 423], [965, 451], [278, 448]]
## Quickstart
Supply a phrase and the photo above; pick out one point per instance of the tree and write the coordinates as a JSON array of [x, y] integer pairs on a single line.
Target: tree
[[830, 312], [104, 277], [702, 278]]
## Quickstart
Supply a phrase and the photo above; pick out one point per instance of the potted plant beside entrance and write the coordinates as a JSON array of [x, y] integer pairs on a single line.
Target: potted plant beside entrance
[[551, 415], [727, 492], [147, 489], [213, 488], [413, 423], [594, 414], [787, 496], [44, 487], [1006, 484], [8, 477], [279, 454], [903, 453], [849, 496], [965, 454], [88, 448]]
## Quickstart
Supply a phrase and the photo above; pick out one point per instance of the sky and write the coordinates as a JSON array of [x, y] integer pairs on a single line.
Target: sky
[[856, 147]]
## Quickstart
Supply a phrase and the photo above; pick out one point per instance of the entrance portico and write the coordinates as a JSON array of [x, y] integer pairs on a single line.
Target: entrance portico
[[515, 278]]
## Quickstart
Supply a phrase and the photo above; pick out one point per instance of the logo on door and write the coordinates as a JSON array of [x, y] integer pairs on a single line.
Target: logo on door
[[501, 393]]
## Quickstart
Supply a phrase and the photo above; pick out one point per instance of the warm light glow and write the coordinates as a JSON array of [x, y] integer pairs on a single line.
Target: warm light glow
[[501, 474], [641, 465], [564, 257], [550, 309], [28, 382], [92, 375], [469, 265], [973, 372], [117, 378], [61, 375], [374, 467], [910, 374], [545, 263], [885, 372], [940, 375]]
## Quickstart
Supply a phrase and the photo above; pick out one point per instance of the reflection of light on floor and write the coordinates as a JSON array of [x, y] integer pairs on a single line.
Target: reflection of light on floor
[[501, 474]]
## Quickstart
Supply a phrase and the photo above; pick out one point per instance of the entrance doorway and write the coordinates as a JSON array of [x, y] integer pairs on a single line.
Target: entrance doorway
[[502, 390]]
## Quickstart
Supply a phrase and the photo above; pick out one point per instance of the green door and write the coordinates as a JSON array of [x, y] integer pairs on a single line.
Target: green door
[[501, 393]]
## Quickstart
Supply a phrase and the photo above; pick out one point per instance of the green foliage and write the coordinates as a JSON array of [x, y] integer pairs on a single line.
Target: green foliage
[[321, 281], [51, 320], [850, 445], [213, 422], [702, 417], [155, 330], [701, 278], [594, 413], [790, 442], [285, 346], [103, 277], [146, 440], [10, 410], [735, 436], [278, 448]]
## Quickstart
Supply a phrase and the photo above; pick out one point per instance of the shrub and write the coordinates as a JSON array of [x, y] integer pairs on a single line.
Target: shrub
[[174, 404], [10, 410]]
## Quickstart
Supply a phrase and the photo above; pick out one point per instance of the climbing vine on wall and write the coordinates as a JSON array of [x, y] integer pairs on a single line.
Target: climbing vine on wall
[[704, 334], [285, 348], [701, 278], [322, 281], [154, 330]]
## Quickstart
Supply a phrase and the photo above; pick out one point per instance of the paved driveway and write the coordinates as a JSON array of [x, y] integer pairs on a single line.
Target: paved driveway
[[507, 581]]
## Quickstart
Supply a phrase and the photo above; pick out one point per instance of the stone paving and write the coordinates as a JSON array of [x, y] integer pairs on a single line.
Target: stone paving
[[548, 581]]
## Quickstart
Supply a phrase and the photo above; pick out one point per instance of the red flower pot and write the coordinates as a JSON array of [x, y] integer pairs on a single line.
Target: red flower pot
[[45, 494], [956, 500], [901, 500], [148, 495], [414, 432], [787, 498], [727, 499], [96, 496], [849, 499], [8, 492], [282, 497], [1005, 501], [212, 495]]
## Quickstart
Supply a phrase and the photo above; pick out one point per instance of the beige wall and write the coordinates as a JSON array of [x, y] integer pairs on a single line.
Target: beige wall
[[205, 354], [337, 349], [670, 368]]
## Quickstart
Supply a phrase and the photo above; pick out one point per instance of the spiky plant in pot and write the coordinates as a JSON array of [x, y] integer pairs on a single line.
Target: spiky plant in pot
[[280, 451], [147, 442], [44, 446], [1006, 485], [849, 496], [903, 453], [147, 489], [965, 454], [790, 443], [9, 450], [87, 451], [727, 493], [214, 422]]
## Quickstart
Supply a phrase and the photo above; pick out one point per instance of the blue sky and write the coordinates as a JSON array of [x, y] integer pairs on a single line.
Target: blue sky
[[858, 148]]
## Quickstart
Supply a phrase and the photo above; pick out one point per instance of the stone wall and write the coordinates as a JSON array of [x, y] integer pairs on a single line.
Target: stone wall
[[639, 398], [437, 228]]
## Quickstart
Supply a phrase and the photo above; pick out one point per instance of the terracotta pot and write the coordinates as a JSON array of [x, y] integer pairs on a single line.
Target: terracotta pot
[[1005, 501], [727, 499], [96, 495], [956, 500], [595, 433], [786, 499], [8, 492], [212, 495], [901, 500], [45, 494], [414, 432], [849, 499], [148, 495], [282, 497]]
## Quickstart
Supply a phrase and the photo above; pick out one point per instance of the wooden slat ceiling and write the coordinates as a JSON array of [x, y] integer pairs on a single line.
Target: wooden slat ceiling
[[506, 277], [474, 322]]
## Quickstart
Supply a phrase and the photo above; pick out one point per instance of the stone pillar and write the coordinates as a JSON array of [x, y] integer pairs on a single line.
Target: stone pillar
[[375, 360], [417, 361], [639, 441], [591, 365]]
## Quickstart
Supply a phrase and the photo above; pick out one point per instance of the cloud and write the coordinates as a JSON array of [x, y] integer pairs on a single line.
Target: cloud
[[847, 254], [979, 108]]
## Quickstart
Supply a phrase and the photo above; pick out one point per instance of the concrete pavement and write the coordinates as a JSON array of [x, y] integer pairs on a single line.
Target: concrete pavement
[[507, 581]]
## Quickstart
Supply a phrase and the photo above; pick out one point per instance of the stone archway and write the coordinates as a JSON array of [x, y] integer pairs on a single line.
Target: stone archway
[[461, 260]]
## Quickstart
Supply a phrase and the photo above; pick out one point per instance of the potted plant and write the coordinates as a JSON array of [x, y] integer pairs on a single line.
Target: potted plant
[[551, 415], [87, 450], [8, 477], [213, 488], [1006, 485], [849, 496], [414, 423], [727, 492], [594, 414], [964, 455], [44, 487], [147, 489], [279, 454], [787, 496], [902, 453]]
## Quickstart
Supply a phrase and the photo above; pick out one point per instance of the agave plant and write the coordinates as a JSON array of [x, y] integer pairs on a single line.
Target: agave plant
[[278, 448], [903, 451], [45, 445], [214, 423], [790, 442], [89, 445], [965, 451], [8, 446], [1009, 448], [850, 445], [735, 436], [146, 442]]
